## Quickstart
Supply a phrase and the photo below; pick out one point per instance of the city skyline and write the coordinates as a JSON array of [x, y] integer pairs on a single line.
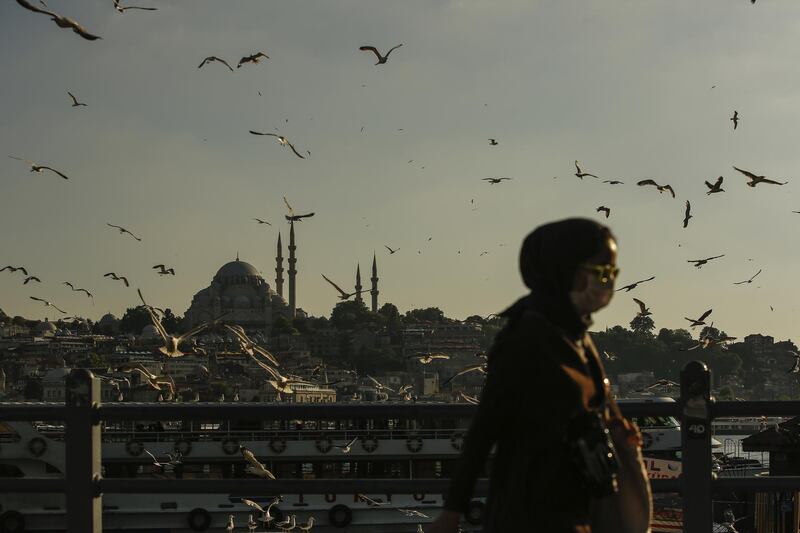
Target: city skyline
[[163, 148]]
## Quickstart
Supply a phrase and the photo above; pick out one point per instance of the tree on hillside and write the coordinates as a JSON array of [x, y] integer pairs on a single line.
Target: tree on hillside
[[171, 322], [643, 325], [282, 326], [134, 320], [352, 314], [429, 314]]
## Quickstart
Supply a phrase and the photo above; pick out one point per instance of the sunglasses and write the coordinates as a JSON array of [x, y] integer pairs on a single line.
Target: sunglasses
[[605, 273]]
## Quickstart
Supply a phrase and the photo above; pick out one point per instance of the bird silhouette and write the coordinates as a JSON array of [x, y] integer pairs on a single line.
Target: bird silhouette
[[14, 269], [116, 277], [643, 309], [262, 221], [698, 263], [614, 182], [60, 20], [493, 181], [493, 142], [163, 270], [342, 294], [755, 180], [77, 289], [629, 288], [283, 141], [735, 119], [255, 58], [31, 278], [123, 230], [381, 58], [391, 251], [749, 280], [210, 59], [291, 217], [694, 322], [122, 9], [715, 187], [687, 214], [579, 173], [604, 209], [75, 102], [48, 304], [39, 168], [661, 188]]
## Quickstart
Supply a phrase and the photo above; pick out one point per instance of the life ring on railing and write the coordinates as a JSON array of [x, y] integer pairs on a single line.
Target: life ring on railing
[[199, 519], [340, 515], [12, 522], [277, 445], [37, 446], [475, 512], [324, 444], [330, 498], [457, 441], [134, 448], [419, 496], [230, 446], [183, 446], [369, 444], [414, 444]]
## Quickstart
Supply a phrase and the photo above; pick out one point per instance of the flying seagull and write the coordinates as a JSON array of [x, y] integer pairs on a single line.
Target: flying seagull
[[643, 309], [255, 466], [123, 230], [381, 59], [796, 366], [122, 9], [661, 188], [255, 58], [391, 252], [755, 180], [262, 221], [38, 168], [282, 140], [604, 209], [60, 20], [48, 304], [614, 182], [493, 142], [687, 214], [715, 187], [172, 459], [210, 59], [735, 119], [291, 217], [579, 173], [466, 370], [115, 277], [75, 102], [163, 270], [629, 288], [427, 358], [698, 263], [493, 181], [342, 295], [77, 289], [172, 344], [347, 445], [749, 280], [266, 516], [31, 278], [369, 501], [248, 346], [14, 269], [698, 321]]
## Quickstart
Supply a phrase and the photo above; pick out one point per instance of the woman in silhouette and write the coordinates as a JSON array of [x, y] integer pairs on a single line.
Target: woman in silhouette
[[543, 374]]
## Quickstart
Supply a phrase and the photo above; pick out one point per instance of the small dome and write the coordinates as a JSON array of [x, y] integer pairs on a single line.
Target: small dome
[[150, 332], [108, 319], [46, 328], [236, 268]]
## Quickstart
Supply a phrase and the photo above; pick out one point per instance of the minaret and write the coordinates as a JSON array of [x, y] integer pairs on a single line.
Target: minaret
[[292, 270], [279, 268], [358, 284], [374, 279]]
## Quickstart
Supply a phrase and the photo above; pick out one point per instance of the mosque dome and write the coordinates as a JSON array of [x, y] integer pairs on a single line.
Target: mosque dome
[[108, 320], [150, 332], [46, 328], [236, 269]]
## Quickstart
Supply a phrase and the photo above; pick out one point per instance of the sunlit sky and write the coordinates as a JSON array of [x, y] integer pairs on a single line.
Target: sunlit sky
[[625, 87]]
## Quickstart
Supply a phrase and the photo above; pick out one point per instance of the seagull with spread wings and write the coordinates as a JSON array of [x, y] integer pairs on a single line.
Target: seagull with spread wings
[[604, 209], [291, 217], [163, 270], [255, 466], [248, 346], [211, 59], [694, 322], [172, 459], [614, 182], [661, 188], [472, 368], [643, 309], [687, 214], [48, 304], [172, 344], [369, 501], [14, 269], [629, 288], [755, 180], [427, 358], [735, 119], [31, 278], [116, 277], [579, 173], [391, 251], [381, 58], [39, 168], [262, 221], [283, 141], [78, 289], [123, 231], [347, 446], [60, 20], [698, 263], [715, 187], [494, 181], [493, 142], [255, 58], [342, 294], [122, 9], [379, 386], [266, 516], [749, 280], [75, 102]]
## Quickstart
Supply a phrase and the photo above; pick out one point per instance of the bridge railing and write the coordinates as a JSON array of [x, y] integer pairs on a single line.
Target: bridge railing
[[83, 412]]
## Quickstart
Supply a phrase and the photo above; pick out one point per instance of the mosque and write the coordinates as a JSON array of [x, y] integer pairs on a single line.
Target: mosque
[[238, 290]]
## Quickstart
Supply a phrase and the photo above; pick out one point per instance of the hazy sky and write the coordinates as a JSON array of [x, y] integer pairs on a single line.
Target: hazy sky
[[625, 87]]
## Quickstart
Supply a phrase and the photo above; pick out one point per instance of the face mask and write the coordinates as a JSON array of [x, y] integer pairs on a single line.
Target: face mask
[[594, 297]]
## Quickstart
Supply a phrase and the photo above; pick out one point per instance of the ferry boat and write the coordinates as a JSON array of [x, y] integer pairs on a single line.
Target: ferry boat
[[394, 448]]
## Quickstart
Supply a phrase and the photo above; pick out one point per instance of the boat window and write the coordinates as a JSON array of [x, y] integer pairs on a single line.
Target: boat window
[[10, 471], [655, 421]]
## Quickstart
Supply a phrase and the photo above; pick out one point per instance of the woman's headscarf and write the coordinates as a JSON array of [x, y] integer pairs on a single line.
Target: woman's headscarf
[[548, 260]]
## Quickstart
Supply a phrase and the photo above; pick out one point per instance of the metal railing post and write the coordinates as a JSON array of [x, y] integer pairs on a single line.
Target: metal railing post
[[696, 445], [82, 446]]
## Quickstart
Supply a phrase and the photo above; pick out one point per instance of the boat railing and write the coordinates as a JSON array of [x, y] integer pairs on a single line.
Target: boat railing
[[83, 413]]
